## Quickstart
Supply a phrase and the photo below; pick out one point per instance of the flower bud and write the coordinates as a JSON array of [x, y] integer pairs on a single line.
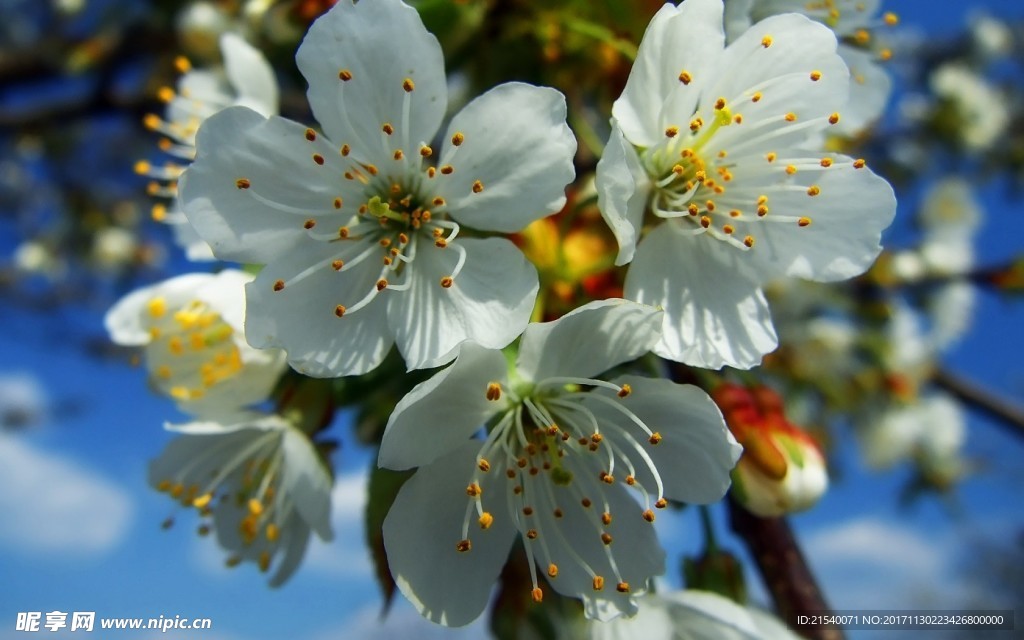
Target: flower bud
[[782, 470]]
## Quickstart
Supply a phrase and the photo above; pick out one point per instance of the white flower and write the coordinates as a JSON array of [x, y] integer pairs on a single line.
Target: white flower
[[853, 22], [719, 144], [950, 216], [561, 466], [357, 225], [247, 80], [191, 328], [693, 615], [980, 108], [932, 430], [258, 478]]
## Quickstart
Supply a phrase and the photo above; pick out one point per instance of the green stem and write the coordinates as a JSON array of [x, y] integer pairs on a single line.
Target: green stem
[[603, 34]]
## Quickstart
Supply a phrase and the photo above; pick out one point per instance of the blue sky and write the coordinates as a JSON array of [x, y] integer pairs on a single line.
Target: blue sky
[[81, 529]]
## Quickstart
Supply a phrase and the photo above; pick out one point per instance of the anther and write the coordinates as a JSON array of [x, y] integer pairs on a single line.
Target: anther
[[826, 162], [790, 117], [705, 221], [337, 265], [655, 438], [344, 75], [382, 284], [319, 159], [586, 503], [337, 203], [474, 490], [339, 310], [859, 163], [486, 520], [398, 154], [661, 503], [766, 41], [833, 119], [622, 587], [279, 285], [310, 135], [537, 594], [770, 157], [804, 222], [756, 97], [728, 229], [531, 534], [458, 138], [813, 190], [671, 132], [685, 77], [477, 186], [606, 518], [625, 391], [791, 169], [309, 223], [696, 124], [387, 128], [493, 390], [552, 570], [748, 241], [719, 104], [891, 19], [447, 169], [345, 150], [447, 282], [426, 151], [598, 583], [243, 183], [438, 201], [408, 85], [693, 209], [343, 232], [606, 538], [463, 546], [815, 76], [557, 513]]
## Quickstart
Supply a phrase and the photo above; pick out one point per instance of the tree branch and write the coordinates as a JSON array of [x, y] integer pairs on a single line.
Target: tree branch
[[1009, 414], [784, 570]]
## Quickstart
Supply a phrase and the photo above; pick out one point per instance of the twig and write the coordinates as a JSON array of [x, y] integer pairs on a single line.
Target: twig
[[784, 570], [1007, 413]]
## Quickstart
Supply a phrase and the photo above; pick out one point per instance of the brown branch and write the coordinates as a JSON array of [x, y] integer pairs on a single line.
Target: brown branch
[[1007, 413], [784, 570]]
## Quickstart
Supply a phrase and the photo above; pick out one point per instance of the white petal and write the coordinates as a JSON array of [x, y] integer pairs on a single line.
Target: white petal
[[715, 315], [704, 615], [440, 414], [422, 529], [128, 321], [294, 539], [847, 217], [285, 187], [781, 73], [634, 547], [489, 303], [381, 44], [688, 37], [307, 482], [301, 319], [870, 87], [250, 74], [588, 340], [225, 294], [519, 148], [622, 191], [697, 452]]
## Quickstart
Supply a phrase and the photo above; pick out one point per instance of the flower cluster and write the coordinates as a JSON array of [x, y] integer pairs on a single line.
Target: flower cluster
[[385, 225]]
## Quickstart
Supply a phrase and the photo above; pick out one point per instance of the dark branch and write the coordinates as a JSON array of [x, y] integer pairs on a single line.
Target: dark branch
[[1007, 413]]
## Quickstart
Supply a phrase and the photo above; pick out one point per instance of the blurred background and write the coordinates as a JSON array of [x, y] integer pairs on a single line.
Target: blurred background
[[82, 531]]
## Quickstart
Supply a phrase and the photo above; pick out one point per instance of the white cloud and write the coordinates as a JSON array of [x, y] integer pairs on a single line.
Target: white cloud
[[52, 504], [22, 400], [870, 563]]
